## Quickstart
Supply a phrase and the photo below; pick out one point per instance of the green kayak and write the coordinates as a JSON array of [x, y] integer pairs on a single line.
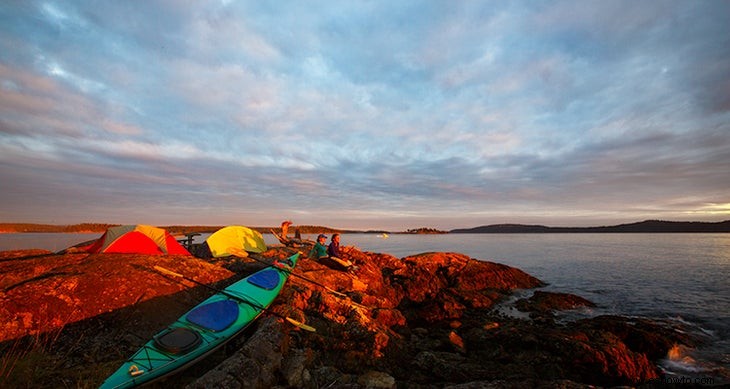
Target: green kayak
[[204, 328]]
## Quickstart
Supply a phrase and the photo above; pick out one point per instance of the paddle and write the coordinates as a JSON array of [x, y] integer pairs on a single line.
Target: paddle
[[241, 299], [336, 293]]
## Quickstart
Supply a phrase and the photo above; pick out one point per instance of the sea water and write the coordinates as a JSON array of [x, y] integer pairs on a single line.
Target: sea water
[[683, 278], [53, 241], [680, 278]]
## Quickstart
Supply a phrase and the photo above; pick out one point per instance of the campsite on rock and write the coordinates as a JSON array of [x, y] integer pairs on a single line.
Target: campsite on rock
[[433, 320]]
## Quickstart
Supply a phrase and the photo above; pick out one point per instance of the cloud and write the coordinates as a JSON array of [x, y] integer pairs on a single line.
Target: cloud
[[360, 113]]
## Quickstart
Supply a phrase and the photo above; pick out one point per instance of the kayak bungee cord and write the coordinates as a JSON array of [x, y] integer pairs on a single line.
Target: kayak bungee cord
[[239, 298], [290, 272]]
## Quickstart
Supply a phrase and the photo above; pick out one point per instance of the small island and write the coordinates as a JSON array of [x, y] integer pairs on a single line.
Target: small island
[[425, 231]]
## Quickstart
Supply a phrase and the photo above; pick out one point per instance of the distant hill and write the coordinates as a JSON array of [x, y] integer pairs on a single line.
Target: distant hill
[[30, 227], [647, 226], [93, 227], [176, 229], [657, 226]]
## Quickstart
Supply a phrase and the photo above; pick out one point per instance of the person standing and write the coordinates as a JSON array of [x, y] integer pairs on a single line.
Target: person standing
[[284, 239], [285, 228]]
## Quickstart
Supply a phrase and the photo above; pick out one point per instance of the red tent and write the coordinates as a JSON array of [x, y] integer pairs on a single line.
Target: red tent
[[136, 239]]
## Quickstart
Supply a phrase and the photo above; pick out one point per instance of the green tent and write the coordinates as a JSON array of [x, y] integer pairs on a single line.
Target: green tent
[[232, 239]]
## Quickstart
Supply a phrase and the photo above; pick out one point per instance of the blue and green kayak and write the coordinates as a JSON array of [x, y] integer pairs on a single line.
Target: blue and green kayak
[[204, 328]]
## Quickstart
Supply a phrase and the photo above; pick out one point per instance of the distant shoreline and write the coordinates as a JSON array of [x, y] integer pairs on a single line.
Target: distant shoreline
[[647, 226]]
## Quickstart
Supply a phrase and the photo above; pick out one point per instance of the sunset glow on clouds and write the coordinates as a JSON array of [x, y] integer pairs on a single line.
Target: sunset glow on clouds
[[364, 114]]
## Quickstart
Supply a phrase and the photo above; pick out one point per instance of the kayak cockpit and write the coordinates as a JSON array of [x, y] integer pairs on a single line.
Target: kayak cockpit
[[178, 340]]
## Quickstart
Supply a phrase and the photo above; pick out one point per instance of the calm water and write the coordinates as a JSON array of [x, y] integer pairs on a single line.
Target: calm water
[[638, 274], [46, 241], [680, 277]]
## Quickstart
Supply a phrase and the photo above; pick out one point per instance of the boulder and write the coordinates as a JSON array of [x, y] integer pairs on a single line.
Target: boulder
[[376, 380], [256, 364], [544, 302]]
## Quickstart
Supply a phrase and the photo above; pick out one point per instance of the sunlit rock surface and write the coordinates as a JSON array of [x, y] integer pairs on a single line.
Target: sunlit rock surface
[[425, 321]]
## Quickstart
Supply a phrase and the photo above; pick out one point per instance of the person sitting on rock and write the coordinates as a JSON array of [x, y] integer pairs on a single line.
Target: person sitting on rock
[[334, 252], [320, 252]]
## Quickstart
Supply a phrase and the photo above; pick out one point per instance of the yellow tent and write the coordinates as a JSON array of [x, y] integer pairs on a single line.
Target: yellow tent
[[232, 239]]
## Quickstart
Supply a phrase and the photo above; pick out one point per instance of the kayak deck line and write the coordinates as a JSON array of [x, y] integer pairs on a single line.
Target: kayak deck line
[[204, 328], [147, 362], [166, 359]]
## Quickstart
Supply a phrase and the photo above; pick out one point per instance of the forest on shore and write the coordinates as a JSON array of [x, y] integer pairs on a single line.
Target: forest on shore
[[175, 229]]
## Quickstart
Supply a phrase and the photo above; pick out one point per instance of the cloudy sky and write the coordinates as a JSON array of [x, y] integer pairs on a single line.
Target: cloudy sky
[[364, 114]]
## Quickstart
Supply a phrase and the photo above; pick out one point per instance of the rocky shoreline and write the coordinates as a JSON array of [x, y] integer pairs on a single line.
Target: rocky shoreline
[[434, 320]]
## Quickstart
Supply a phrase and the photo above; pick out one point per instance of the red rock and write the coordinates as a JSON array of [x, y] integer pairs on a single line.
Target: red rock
[[607, 354], [407, 330], [46, 293], [541, 301], [456, 340], [640, 335], [389, 317], [490, 326]]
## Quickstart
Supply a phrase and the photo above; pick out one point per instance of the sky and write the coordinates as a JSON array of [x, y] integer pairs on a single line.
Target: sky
[[364, 114]]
